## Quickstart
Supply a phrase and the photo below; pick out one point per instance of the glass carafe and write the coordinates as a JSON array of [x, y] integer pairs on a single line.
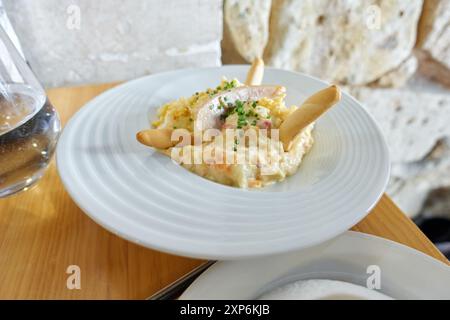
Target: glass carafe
[[29, 125]]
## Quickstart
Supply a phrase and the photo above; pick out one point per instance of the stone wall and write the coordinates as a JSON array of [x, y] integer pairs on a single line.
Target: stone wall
[[349, 42], [71, 42], [375, 50], [433, 40]]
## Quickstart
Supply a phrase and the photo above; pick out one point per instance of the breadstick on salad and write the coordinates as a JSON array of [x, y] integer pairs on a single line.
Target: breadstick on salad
[[156, 138], [256, 73], [307, 113], [162, 138]]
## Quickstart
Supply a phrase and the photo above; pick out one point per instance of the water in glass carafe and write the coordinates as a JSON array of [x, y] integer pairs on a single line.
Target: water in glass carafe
[[29, 125]]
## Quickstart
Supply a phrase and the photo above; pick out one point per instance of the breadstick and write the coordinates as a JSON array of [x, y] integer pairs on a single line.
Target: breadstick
[[255, 73], [310, 110], [162, 138]]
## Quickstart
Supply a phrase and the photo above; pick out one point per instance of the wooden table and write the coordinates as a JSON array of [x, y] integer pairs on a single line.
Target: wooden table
[[42, 232]]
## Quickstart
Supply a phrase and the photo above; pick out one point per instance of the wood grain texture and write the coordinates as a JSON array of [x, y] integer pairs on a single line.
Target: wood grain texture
[[42, 232]]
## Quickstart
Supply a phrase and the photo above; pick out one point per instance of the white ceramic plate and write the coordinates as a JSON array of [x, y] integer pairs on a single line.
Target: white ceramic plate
[[405, 273], [144, 197]]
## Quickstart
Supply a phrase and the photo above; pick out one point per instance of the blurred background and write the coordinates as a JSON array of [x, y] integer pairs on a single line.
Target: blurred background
[[393, 55]]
